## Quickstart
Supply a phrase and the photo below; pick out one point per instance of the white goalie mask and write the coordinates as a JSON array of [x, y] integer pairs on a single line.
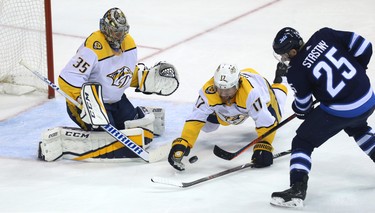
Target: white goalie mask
[[227, 76]]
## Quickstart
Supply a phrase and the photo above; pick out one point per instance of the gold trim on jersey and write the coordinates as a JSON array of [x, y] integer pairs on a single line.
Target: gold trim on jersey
[[103, 151], [281, 87], [70, 90], [191, 131], [97, 43]]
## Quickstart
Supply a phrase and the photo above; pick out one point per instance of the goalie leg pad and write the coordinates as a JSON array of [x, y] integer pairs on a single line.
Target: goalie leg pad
[[77, 144], [50, 148], [159, 126], [144, 120]]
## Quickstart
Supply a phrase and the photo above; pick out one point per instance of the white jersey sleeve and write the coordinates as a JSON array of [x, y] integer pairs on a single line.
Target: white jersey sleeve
[[78, 69], [201, 108], [257, 102]]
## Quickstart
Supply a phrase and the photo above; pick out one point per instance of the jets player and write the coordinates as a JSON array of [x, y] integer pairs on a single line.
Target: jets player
[[109, 57], [229, 98], [331, 67]]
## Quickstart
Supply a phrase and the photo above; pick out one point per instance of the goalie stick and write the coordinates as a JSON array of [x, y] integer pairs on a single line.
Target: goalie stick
[[221, 153], [111, 130], [168, 181]]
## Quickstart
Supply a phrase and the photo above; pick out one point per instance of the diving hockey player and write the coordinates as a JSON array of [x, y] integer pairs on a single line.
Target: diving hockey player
[[108, 57], [331, 66], [229, 98]]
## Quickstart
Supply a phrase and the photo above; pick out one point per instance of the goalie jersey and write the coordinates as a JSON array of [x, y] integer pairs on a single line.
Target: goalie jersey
[[254, 98], [95, 61]]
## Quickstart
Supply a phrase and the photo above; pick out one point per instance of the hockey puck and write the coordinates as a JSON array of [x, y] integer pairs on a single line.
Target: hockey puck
[[193, 159]]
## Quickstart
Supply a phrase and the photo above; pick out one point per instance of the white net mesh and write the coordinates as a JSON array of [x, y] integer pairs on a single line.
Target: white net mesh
[[22, 33]]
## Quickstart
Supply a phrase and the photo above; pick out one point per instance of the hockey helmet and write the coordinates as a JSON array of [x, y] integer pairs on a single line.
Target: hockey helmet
[[115, 27], [287, 39], [226, 81], [227, 76]]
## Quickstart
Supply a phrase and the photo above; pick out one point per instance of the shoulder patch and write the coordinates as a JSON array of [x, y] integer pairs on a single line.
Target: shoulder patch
[[210, 90], [97, 45]]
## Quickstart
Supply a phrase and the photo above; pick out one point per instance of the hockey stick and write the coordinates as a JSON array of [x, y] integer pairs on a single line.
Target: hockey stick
[[111, 130], [221, 153], [210, 177]]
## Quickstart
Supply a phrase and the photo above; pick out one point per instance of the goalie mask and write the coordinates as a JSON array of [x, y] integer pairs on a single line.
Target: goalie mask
[[226, 80], [115, 27]]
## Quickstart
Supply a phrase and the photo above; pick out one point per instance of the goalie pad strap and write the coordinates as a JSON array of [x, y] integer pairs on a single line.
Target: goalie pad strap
[[159, 126]]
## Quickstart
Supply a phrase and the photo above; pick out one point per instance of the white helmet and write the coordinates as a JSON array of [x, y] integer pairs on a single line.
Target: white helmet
[[227, 76]]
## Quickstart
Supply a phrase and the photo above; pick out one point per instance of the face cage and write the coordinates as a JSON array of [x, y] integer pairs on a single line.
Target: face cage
[[283, 58], [114, 36]]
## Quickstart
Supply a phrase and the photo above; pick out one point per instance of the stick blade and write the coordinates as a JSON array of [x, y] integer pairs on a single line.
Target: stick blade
[[221, 153], [166, 181]]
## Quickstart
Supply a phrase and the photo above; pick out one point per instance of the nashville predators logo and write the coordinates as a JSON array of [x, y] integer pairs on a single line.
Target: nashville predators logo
[[210, 90], [235, 119], [121, 77], [97, 45]]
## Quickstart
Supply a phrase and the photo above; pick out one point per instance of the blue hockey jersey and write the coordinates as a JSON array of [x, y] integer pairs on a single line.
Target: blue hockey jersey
[[331, 66]]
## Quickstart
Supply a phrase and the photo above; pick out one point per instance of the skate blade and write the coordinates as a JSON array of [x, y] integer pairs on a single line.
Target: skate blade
[[294, 203]]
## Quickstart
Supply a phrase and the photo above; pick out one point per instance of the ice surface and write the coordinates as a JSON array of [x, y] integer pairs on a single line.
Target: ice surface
[[195, 36]]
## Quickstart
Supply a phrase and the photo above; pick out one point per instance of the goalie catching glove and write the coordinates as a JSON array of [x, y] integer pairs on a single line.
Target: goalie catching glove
[[161, 79], [262, 155], [180, 148]]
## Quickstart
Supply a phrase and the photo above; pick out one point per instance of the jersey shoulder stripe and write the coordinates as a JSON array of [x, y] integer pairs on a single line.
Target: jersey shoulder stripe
[[241, 97], [97, 43], [209, 92]]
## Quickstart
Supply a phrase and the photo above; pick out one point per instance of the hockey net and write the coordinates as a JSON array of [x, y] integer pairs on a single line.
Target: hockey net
[[26, 34]]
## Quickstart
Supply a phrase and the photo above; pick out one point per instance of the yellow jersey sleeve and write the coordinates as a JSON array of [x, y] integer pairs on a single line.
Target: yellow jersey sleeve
[[191, 131], [70, 90], [97, 43]]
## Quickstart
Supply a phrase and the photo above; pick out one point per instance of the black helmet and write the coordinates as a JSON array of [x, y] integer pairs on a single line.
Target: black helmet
[[287, 39]]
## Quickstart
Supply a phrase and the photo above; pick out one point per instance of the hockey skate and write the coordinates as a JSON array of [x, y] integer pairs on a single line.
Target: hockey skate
[[290, 198]]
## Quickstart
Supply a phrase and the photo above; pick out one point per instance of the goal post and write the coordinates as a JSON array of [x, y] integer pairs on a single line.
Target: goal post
[[26, 34]]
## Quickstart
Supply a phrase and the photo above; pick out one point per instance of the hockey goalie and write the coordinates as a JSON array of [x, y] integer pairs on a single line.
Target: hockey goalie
[[95, 79]]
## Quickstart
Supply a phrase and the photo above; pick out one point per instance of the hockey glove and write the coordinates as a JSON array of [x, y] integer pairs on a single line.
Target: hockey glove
[[281, 70], [161, 79], [301, 114], [262, 156], [180, 148]]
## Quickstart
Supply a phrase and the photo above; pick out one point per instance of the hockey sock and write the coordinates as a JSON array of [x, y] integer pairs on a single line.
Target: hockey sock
[[300, 165], [367, 143]]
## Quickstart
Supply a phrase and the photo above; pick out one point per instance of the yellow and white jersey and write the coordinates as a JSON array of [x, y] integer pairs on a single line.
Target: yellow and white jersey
[[95, 61], [254, 98]]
